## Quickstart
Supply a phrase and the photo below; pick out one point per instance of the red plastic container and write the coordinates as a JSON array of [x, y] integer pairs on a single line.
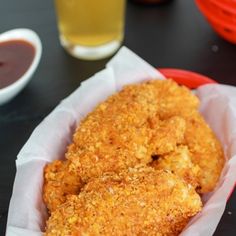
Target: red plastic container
[[225, 7], [221, 14], [190, 79]]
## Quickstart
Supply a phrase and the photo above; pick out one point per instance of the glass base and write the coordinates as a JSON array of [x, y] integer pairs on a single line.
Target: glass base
[[93, 52]]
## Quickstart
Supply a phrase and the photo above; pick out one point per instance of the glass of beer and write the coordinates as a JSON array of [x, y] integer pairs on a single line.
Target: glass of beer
[[91, 29]]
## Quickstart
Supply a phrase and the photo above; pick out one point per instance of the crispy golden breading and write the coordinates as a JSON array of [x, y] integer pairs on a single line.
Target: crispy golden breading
[[206, 150], [59, 182], [180, 163], [141, 121], [115, 149], [166, 135], [125, 131], [120, 132], [114, 159], [137, 201]]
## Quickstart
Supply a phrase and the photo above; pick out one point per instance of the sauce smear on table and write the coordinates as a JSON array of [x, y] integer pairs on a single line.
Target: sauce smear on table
[[16, 57]]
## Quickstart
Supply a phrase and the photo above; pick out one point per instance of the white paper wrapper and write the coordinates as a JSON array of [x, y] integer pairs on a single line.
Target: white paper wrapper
[[27, 213]]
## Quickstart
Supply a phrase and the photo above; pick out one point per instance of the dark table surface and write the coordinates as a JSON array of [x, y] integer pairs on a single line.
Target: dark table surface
[[173, 35]]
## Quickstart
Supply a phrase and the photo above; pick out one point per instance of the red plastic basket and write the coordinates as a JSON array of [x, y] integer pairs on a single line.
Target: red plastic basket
[[224, 7], [190, 79], [221, 14]]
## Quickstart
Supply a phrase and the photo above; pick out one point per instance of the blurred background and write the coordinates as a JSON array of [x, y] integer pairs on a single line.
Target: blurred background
[[175, 35]]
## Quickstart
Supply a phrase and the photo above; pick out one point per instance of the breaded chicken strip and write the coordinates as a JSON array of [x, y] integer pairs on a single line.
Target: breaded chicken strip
[[141, 121], [126, 130], [179, 162], [115, 148], [205, 149], [138, 201], [59, 182], [63, 177]]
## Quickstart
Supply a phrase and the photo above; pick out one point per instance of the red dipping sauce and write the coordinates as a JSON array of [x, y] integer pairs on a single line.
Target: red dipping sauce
[[16, 57]]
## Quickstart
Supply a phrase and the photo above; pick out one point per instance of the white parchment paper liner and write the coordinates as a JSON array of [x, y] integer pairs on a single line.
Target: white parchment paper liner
[[27, 213]]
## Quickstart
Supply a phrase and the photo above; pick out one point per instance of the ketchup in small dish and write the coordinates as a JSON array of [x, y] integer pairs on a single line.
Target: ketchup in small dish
[[16, 57]]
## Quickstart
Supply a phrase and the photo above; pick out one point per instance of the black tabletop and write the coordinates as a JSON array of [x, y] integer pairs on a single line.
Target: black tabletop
[[172, 35]]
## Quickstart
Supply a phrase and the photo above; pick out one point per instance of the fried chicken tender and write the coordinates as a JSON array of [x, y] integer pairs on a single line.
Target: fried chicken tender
[[205, 149], [137, 201], [126, 130], [62, 178], [180, 163], [59, 182], [207, 157]]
